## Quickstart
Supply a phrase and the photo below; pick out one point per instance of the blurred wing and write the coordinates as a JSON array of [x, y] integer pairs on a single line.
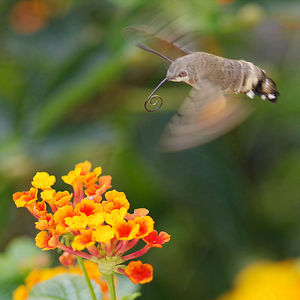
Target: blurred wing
[[204, 116], [167, 35]]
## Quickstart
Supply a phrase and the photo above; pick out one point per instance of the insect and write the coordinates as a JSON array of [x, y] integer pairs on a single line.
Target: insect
[[206, 113]]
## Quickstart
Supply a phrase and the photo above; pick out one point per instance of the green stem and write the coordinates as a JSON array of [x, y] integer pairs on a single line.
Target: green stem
[[86, 276], [111, 286]]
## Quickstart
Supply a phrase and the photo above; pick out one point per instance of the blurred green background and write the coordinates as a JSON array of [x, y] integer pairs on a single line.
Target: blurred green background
[[72, 89]]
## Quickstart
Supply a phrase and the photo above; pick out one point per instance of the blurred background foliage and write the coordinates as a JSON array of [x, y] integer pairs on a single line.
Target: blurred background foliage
[[72, 89]]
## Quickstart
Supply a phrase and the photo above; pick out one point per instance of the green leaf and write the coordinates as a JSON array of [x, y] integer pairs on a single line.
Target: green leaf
[[20, 257], [126, 288], [132, 296], [64, 287]]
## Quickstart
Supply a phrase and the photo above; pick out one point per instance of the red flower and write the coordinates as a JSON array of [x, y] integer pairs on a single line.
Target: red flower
[[139, 272], [156, 240]]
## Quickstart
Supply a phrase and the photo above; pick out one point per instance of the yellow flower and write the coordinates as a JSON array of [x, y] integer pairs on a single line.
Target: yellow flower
[[267, 281], [42, 180], [21, 293], [48, 195], [103, 233], [77, 222], [116, 216], [72, 176]]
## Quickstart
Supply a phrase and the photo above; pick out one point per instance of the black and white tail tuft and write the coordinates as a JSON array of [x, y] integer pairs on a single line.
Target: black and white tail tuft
[[266, 88]]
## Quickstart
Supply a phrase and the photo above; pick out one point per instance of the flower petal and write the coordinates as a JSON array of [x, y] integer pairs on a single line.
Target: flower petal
[[139, 272]]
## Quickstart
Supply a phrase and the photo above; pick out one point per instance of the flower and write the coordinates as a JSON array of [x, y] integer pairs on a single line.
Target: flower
[[38, 275], [154, 239], [67, 259], [30, 16], [25, 199], [267, 280], [46, 241], [93, 222], [139, 272], [83, 240], [42, 180], [21, 293]]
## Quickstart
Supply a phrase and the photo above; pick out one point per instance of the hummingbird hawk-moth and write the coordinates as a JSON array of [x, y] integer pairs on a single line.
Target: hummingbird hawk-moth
[[206, 113]]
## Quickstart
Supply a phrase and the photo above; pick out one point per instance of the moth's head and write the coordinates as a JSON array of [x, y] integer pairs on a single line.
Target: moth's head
[[176, 72], [179, 71]]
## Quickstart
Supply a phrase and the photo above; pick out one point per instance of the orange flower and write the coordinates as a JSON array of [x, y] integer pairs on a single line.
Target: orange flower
[[139, 272], [93, 211], [82, 174], [99, 189], [83, 240], [155, 240], [39, 209], [62, 198], [85, 167], [45, 241], [92, 177], [22, 199], [60, 216], [104, 184], [146, 226], [46, 222], [67, 259], [42, 180], [88, 207], [111, 195], [126, 230], [139, 212], [29, 16], [115, 200]]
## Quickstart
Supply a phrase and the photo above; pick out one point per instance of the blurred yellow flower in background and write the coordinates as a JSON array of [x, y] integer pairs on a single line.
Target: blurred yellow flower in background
[[38, 275], [267, 280]]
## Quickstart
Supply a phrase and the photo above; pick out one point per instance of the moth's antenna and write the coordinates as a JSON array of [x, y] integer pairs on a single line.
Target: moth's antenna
[[155, 100], [154, 52]]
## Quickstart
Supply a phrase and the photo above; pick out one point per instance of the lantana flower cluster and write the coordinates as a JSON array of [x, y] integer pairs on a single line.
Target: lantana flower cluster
[[93, 222]]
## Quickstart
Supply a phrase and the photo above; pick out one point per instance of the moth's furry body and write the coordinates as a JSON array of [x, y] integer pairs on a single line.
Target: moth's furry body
[[231, 76]]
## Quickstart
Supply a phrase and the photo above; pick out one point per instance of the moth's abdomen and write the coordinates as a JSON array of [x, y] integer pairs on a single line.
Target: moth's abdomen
[[254, 81], [234, 76]]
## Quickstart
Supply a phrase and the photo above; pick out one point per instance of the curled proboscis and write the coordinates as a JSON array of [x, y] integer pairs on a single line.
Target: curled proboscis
[[153, 103]]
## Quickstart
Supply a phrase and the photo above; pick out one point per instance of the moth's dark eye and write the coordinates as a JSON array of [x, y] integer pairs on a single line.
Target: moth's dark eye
[[182, 74]]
